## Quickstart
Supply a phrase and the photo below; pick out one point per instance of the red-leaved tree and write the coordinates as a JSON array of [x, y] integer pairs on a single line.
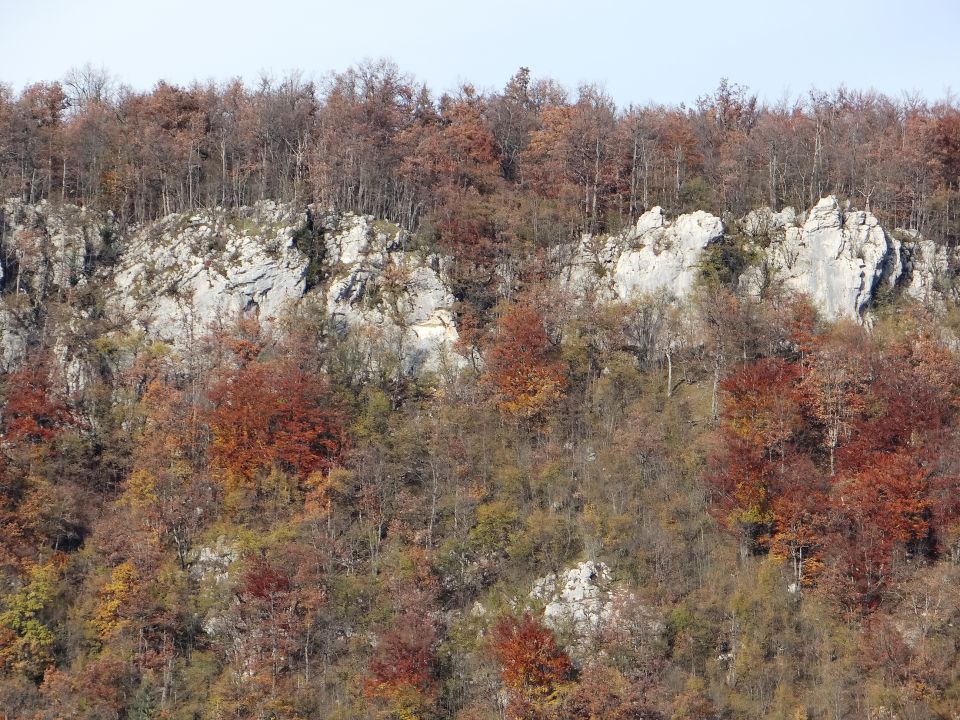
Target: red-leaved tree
[[532, 666], [400, 675]]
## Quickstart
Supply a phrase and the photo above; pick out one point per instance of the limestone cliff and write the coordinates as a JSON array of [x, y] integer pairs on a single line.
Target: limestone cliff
[[174, 279]]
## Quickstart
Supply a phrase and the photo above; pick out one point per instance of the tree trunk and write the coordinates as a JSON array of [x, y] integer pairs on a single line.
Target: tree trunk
[[669, 373]]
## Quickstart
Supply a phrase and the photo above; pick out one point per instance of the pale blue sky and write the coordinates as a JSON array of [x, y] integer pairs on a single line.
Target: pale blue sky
[[669, 50]]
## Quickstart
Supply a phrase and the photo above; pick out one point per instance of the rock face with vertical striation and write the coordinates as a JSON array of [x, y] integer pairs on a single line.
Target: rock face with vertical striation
[[841, 260], [388, 295], [931, 269], [838, 260]]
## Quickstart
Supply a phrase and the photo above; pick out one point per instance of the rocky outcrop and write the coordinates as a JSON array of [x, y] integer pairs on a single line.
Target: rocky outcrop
[[665, 256], [931, 269], [388, 295], [840, 259], [584, 604], [175, 279], [581, 598], [183, 275], [49, 248], [180, 276], [46, 251], [653, 256], [837, 259], [212, 563]]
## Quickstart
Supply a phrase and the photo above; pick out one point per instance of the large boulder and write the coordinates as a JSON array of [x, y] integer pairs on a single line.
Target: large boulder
[[585, 605]]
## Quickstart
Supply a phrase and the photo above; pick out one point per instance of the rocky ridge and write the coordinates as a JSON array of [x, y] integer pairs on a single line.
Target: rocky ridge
[[173, 279], [841, 259]]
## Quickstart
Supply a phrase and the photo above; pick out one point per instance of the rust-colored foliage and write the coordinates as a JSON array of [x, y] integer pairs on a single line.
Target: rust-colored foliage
[[760, 417], [102, 688], [520, 367], [830, 460], [278, 599], [33, 413], [32, 418], [532, 665], [264, 581], [400, 673], [273, 413], [834, 388]]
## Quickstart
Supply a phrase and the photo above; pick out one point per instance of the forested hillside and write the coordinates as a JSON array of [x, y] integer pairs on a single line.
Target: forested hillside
[[347, 401]]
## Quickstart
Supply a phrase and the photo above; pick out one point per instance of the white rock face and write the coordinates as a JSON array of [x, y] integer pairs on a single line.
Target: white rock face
[[179, 277], [13, 340], [589, 608], [213, 562], [836, 260], [655, 256], [175, 278], [391, 297], [765, 222], [581, 597], [667, 256]]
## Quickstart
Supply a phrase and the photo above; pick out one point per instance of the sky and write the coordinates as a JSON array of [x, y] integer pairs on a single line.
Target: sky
[[668, 51]]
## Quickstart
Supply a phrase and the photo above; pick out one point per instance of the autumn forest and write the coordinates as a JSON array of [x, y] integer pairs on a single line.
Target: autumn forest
[[730, 504]]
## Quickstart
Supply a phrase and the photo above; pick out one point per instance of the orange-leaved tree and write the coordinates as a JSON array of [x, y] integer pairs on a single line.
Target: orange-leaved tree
[[521, 369], [400, 675], [532, 666]]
